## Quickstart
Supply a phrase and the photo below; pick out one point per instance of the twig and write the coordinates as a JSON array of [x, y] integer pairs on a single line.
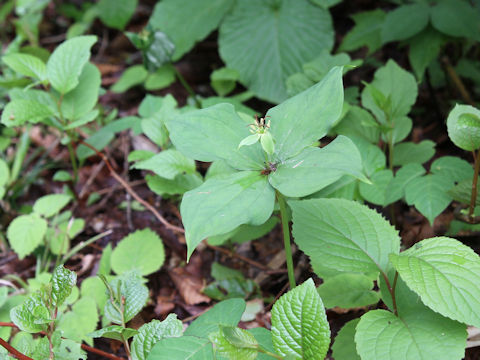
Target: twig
[[457, 81], [14, 352], [238, 256], [285, 287], [131, 191]]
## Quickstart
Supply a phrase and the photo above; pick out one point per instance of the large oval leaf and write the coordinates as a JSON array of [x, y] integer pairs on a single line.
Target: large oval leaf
[[267, 41], [446, 275], [306, 117], [221, 204], [423, 335], [300, 328], [463, 126], [343, 235]]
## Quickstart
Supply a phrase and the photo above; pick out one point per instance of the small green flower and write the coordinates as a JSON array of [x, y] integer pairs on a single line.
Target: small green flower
[[260, 132]]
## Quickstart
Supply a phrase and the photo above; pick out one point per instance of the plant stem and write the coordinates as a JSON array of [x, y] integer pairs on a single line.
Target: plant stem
[[391, 290], [187, 87], [17, 354], [473, 198], [260, 350], [20, 153], [286, 239], [73, 160], [82, 244]]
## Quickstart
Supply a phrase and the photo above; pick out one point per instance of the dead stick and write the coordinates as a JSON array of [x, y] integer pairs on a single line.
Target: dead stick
[[243, 258], [131, 191]]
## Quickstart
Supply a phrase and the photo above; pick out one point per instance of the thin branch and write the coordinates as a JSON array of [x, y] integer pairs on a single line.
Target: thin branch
[[131, 191], [14, 352], [457, 81], [238, 256]]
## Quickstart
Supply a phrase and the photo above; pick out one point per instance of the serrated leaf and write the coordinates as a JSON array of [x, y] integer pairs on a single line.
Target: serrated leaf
[[408, 152], [185, 347], [405, 21], [168, 164], [149, 334], [50, 205], [343, 235], [453, 168], [463, 125], [316, 168], [23, 315], [116, 13], [115, 332], [185, 28], [376, 193], [63, 280], [299, 324], [141, 250], [429, 195], [348, 291], [214, 134], [366, 32], [227, 313], [27, 65], [422, 335], [306, 117], [444, 273], [135, 294], [343, 347], [288, 34], [19, 111], [234, 343], [396, 187], [81, 100], [220, 205], [25, 233], [67, 61]]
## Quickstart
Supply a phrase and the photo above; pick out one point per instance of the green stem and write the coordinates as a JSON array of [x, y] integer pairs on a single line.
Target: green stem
[[286, 239], [473, 198], [269, 353], [391, 290], [20, 153], [73, 160], [83, 244], [187, 87]]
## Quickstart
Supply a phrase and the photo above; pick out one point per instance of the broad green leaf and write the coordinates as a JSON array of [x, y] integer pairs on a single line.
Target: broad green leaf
[[81, 100], [27, 65], [23, 315], [223, 80], [376, 192], [463, 126], [130, 287], [373, 158], [234, 343], [408, 152], [115, 332], [402, 126], [453, 168], [50, 205], [116, 13], [78, 323], [133, 76], [306, 117], [429, 195], [161, 78], [300, 328], [4, 173], [249, 140], [68, 350], [462, 192], [25, 233], [281, 37], [316, 168], [248, 232], [186, 22], [318, 68], [19, 111], [168, 164], [214, 133], [348, 291], [360, 123], [67, 61], [63, 280], [104, 265], [264, 339], [366, 32], [396, 84], [343, 235], [297, 83], [149, 334], [326, 3], [141, 251], [94, 287], [456, 18], [227, 313], [405, 21], [181, 348], [344, 347], [180, 185], [444, 273], [423, 336], [424, 48], [396, 187], [220, 205]]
